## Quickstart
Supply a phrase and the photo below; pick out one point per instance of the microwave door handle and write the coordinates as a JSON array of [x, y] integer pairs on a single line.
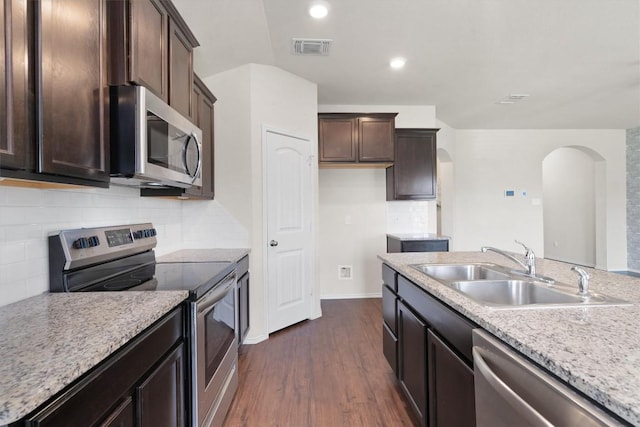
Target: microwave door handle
[[198, 152], [199, 166]]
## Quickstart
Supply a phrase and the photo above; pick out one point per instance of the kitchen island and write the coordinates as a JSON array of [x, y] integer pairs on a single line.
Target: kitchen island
[[49, 341], [594, 349]]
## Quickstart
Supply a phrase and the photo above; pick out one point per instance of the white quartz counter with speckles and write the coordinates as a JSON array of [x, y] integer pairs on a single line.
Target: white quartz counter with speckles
[[595, 349], [50, 340], [205, 255]]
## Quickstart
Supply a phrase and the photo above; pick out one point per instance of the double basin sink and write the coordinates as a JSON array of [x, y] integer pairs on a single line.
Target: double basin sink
[[498, 287]]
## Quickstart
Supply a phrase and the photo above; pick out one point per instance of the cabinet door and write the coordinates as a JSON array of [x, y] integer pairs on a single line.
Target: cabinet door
[[389, 308], [122, 416], [376, 139], [14, 128], [414, 170], [180, 72], [71, 88], [243, 298], [451, 388], [412, 363], [148, 47], [203, 101], [337, 139], [160, 398]]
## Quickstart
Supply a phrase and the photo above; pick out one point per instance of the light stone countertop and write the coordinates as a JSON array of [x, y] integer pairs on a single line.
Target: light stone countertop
[[595, 349], [418, 236], [50, 340], [204, 255]]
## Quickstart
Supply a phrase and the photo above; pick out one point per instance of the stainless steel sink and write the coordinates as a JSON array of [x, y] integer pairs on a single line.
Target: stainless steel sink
[[457, 272], [494, 286], [513, 293]]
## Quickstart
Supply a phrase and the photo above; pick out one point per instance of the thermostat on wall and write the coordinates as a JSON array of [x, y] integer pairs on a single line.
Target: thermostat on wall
[[509, 193]]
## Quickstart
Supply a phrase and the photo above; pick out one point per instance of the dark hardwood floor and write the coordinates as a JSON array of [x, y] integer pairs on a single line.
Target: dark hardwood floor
[[324, 372]]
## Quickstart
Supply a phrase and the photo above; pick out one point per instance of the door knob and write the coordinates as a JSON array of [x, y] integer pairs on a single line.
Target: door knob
[[273, 243]]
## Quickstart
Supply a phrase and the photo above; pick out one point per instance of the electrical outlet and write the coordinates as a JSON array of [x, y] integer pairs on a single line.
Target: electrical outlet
[[345, 272]]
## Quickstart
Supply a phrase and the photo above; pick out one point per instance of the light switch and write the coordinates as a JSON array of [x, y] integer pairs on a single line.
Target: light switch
[[347, 220]]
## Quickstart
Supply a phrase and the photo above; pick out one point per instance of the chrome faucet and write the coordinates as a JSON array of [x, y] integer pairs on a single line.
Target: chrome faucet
[[529, 266], [583, 281]]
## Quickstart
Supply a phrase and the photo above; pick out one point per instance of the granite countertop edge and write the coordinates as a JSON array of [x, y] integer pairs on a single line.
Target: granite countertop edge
[[68, 334], [205, 255], [560, 339], [417, 236]]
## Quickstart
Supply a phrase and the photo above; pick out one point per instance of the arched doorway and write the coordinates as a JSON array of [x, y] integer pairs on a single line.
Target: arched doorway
[[573, 184]]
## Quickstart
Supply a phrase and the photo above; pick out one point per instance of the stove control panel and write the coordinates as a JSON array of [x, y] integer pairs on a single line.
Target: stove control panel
[[86, 246]]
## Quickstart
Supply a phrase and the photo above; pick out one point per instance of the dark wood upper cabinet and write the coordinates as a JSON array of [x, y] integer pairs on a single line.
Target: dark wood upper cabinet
[[15, 99], [151, 45], [337, 139], [355, 138], [180, 71], [72, 89], [413, 175], [203, 112], [376, 139]]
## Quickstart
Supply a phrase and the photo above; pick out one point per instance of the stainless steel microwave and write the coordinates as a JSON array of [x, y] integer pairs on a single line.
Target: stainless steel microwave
[[151, 143]]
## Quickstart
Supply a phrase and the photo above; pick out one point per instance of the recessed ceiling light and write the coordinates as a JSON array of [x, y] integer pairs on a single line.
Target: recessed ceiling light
[[319, 10], [397, 63]]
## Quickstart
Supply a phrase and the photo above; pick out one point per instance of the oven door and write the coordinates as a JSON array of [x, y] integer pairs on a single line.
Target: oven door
[[216, 348]]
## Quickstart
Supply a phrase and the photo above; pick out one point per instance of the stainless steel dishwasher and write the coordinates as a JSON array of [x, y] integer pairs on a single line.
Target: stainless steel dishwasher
[[512, 391]]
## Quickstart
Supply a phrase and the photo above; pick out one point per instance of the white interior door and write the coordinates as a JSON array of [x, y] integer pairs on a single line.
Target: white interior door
[[289, 234]]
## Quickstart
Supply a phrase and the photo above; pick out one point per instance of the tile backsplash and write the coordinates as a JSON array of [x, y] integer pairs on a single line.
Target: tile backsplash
[[408, 217], [28, 216]]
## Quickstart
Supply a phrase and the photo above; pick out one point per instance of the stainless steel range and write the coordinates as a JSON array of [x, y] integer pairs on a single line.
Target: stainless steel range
[[121, 258]]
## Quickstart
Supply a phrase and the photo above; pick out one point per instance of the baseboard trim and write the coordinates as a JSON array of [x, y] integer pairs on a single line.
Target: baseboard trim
[[255, 340], [351, 296]]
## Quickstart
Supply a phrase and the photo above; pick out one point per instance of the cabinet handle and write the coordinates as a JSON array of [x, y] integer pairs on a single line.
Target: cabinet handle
[[273, 243]]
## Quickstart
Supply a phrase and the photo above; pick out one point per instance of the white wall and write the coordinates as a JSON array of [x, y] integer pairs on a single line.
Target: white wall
[[355, 192], [29, 215], [251, 97], [487, 162], [352, 232], [569, 206]]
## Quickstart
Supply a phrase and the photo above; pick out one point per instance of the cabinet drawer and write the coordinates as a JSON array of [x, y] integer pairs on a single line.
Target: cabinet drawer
[[389, 307], [390, 348], [455, 329], [389, 277], [425, 246]]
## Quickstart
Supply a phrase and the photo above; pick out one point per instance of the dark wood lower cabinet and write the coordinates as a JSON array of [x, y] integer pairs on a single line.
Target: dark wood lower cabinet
[[242, 270], [395, 245], [431, 352], [122, 416], [160, 398], [243, 303], [451, 388], [142, 384], [412, 364]]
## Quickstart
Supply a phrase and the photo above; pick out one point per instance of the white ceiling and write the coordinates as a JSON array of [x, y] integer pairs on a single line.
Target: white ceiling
[[578, 59]]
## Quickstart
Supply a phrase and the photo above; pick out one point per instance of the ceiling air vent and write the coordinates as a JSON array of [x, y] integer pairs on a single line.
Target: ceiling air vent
[[311, 46]]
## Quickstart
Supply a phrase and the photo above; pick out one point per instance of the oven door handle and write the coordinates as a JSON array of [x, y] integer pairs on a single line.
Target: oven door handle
[[216, 294]]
